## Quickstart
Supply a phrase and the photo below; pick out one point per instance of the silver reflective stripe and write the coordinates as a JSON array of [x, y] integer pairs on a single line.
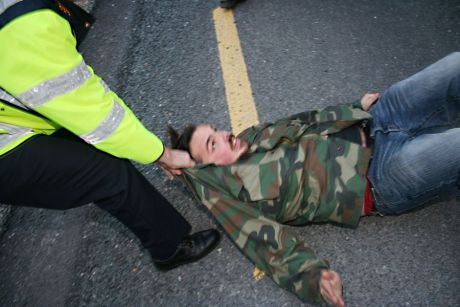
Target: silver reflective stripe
[[105, 86], [14, 133], [7, 97], [4, 4], [11, 129], [60, 85], [107, 127]]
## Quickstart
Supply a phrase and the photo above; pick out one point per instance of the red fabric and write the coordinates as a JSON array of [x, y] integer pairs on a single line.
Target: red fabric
[[368, 202]]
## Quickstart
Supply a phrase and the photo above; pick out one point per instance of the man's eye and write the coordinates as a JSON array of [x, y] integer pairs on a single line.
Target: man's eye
[[213, 145]]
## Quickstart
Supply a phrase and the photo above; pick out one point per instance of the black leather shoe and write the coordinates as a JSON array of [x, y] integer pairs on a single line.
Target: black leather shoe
[[228, 4], [192, 248]]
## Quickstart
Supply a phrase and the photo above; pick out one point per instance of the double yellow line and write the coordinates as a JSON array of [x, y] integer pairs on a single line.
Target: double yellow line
[[241, 105]]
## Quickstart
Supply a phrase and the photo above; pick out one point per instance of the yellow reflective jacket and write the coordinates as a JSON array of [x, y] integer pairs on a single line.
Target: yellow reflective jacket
[[41, 69]]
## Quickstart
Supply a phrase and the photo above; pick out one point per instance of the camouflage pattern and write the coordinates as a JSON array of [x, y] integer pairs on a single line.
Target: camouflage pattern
[[296, 172]]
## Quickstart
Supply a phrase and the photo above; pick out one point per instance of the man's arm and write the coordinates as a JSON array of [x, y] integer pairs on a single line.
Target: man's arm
[[368, 100], [270, 245], [331, 288], [328, 120]]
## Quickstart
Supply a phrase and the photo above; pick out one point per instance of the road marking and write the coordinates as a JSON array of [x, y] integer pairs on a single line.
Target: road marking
[[241, 105]]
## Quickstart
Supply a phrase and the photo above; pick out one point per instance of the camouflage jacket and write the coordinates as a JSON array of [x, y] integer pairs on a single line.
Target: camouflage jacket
[[295, 172]]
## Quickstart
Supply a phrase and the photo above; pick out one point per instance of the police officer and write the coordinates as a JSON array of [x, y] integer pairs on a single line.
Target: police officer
[[66, 139]]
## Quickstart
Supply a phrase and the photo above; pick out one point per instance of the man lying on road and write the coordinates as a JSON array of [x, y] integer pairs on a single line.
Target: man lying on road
[[333, 165]]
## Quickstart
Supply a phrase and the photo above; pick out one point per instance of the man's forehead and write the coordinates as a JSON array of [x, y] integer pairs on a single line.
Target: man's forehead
[[199, 139], [202, 132]]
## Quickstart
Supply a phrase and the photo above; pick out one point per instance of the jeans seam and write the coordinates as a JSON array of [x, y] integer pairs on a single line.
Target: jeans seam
[[453, 98], [440, 184], [392, 206], [414, 131]]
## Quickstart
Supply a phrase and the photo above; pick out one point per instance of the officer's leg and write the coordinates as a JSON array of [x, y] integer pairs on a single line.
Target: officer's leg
[[57, 173]]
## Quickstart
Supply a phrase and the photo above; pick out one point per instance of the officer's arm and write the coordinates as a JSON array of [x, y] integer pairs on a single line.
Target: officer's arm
[[172, 160], [47, 74]]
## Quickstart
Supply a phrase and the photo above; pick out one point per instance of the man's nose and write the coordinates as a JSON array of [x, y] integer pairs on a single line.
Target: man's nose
[[225, 135]]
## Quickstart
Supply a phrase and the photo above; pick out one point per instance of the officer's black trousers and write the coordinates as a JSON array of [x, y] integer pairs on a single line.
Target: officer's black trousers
[[62, 172]]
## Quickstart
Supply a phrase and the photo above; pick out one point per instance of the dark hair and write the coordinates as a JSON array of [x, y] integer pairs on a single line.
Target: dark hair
[[181, 141]]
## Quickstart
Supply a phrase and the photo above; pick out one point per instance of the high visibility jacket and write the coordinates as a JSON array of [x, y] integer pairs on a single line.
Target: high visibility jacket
[[41, 69]]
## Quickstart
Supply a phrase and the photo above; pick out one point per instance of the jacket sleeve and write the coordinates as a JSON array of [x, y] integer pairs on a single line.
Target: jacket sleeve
[[40, 66], [331, 119], [268, 244]]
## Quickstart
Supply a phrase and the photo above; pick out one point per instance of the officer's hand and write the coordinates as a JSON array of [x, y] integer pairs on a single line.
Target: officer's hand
[[368, 100], [331, 288], [173, 160]]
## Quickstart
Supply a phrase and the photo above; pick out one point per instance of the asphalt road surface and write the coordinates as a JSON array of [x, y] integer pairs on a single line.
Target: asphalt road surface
[[162, 58]]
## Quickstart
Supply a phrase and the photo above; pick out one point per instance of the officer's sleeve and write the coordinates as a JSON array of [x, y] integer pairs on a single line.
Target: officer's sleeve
[[41, 67], [268, 244]]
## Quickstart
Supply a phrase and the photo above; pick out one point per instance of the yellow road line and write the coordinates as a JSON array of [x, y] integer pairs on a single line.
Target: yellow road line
[[241, 106]]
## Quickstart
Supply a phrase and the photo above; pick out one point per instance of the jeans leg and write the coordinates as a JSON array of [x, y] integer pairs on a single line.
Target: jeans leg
[[430, 98], [408, 173], [415, 126]]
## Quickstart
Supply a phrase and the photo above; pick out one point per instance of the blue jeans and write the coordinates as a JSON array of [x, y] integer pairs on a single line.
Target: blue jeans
[[416, 130]]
